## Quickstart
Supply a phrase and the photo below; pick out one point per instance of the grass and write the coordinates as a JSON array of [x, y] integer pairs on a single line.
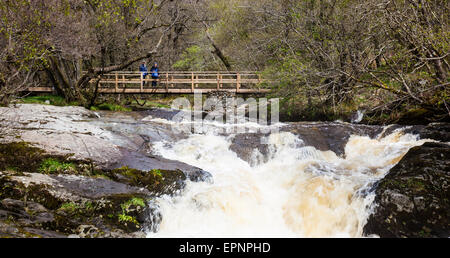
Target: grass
[[150, 104], [154, 102], [110, 107], [60, 101], [51, 166], [46, 100]]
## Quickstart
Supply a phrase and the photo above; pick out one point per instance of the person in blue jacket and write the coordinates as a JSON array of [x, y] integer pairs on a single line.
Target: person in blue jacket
[[143, 69], [155, 74]]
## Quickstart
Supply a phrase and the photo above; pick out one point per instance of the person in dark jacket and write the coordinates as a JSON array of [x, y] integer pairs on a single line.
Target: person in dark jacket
[[155, 74], [143, 69]]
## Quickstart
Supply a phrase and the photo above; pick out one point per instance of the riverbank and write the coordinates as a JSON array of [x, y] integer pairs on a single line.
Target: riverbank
[[347, 113]]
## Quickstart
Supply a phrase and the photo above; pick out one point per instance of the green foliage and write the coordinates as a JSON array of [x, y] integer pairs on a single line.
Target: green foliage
[[85, 208], [149, 104], [133, 201], [191, 59], [69, 206], [51, 166], [128, 208], [127, 219], [157, 172], [110, 107], [48, 99]]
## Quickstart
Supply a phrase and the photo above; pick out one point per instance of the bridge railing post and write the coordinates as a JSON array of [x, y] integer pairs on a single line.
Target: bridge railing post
[[142, 82], [117, 82], [167, 82], [238, 82], [192, 82], [218, 81]]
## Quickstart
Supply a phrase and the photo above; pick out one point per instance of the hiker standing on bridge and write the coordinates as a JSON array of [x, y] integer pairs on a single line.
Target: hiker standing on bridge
[[143, 69], [155, 74]]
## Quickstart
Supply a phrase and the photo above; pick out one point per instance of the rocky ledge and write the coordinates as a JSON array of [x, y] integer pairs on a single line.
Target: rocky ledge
[[71, 172], [413, 200]]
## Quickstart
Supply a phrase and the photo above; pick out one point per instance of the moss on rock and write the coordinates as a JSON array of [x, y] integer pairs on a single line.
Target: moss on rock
[[156, 181]]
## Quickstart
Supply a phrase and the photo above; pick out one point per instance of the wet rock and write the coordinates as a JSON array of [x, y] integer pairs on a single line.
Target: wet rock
[[59, 131], [63, 203], [59, 202], [148, 162], [245, 145], [6, 230], [88, 231], [13, 205], [162, 113], [198, 175], [156, 181], [95, 188], [79, 133], [413, 200], [76, 188], [434, 131], [330, 136], [322, 136]]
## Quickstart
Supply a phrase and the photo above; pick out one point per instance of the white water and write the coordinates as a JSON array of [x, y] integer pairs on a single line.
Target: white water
[[299, 192]]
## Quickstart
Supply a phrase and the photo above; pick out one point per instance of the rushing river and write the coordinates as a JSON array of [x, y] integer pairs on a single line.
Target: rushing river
[[298, 191]]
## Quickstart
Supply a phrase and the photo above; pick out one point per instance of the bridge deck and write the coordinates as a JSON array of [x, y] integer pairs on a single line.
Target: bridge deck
[[176, 83]]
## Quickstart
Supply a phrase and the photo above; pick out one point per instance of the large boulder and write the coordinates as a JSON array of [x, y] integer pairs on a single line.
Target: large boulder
[[413, 200]]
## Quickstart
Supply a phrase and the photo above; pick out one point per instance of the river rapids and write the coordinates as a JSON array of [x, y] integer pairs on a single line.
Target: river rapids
[[297, 191]]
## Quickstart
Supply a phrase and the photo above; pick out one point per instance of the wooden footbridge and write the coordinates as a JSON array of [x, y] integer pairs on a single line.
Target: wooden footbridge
[[241, 82]]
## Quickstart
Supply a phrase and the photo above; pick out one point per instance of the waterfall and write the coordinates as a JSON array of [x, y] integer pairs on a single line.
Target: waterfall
[[298, 191]]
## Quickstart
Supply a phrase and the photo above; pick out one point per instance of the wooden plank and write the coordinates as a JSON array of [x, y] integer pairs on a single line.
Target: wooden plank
[[138, 90], [188, 81], [174, 91], [40, 89]]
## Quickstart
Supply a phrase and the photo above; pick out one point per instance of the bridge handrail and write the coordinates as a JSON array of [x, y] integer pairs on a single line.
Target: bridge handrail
[[185, 72]]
